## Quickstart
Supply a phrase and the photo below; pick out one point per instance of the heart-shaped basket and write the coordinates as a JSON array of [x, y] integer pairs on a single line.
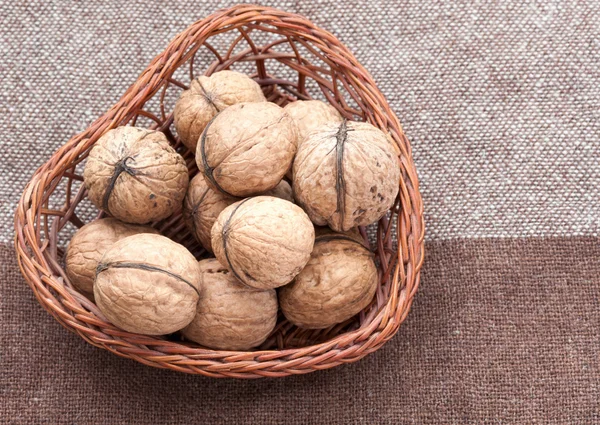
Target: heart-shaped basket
[[291, 59]]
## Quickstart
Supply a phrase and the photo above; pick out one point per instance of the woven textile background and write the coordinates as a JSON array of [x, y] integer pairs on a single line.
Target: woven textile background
[[501, 101]]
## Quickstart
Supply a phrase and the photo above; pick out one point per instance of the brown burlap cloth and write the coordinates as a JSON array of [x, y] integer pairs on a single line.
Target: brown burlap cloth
[[502, 104]]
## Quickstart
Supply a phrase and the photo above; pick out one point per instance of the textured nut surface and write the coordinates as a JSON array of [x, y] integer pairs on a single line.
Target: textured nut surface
[[310, 115], [135, 175], [282, 191], [353, 233], [89, 244], [202, 206], [206, 97], [230, 316], [264, 241], [247, 148], [346, 175], [148, 284], [339, 281]]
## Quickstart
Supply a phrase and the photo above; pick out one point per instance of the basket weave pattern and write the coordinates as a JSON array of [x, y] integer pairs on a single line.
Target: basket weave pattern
[[291, 59]]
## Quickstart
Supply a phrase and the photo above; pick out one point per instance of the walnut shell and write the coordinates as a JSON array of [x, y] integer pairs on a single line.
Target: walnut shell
[[339, 281], [310, 115], [353, 233], [202, 206], [283, 190], [206, 97], [230, 315], [264, 241], [89, 244], [247, 148], [135, 175], [346, 175], [148, 284]]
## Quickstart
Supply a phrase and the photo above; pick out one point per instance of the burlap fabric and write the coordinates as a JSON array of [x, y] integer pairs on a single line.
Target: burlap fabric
[[502, 105]]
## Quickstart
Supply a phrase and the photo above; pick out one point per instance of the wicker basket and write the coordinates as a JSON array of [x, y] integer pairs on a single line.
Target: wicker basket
[[292, 59]]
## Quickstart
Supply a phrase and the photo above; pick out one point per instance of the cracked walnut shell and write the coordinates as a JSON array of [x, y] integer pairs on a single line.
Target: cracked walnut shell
[[89, 244], [247, 148], [346, 175], [206, 97], [338, 282], [148, 284], [135, 175], [230, 315], [264, 241]]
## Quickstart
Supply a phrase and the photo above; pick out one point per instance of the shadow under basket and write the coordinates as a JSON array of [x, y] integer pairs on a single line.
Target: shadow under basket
[[291, 59]]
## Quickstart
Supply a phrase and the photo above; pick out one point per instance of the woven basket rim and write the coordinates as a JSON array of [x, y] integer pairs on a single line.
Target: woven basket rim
[[76, 313]]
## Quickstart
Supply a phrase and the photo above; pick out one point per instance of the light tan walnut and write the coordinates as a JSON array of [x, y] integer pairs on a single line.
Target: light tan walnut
[[310, 115], [148, 284], [264, 241], [247, 148], [346, 175], [89, 244], [339, 281], [206, 97], [230, 316], [135, 175], [282, 191], [202, 206], [353, 233]]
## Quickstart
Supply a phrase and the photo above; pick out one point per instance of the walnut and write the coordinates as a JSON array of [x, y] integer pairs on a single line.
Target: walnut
[[247, 148], [282, 191], [310, 115], [338, 282], [230, 316], [202, 206], [89, 244], [148, 284], [134, 175], [346, 175], [264, 241], [353, 233], [206, 97]]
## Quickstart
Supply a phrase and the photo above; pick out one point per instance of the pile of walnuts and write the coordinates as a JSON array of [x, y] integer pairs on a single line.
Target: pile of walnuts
[[268, 252]]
